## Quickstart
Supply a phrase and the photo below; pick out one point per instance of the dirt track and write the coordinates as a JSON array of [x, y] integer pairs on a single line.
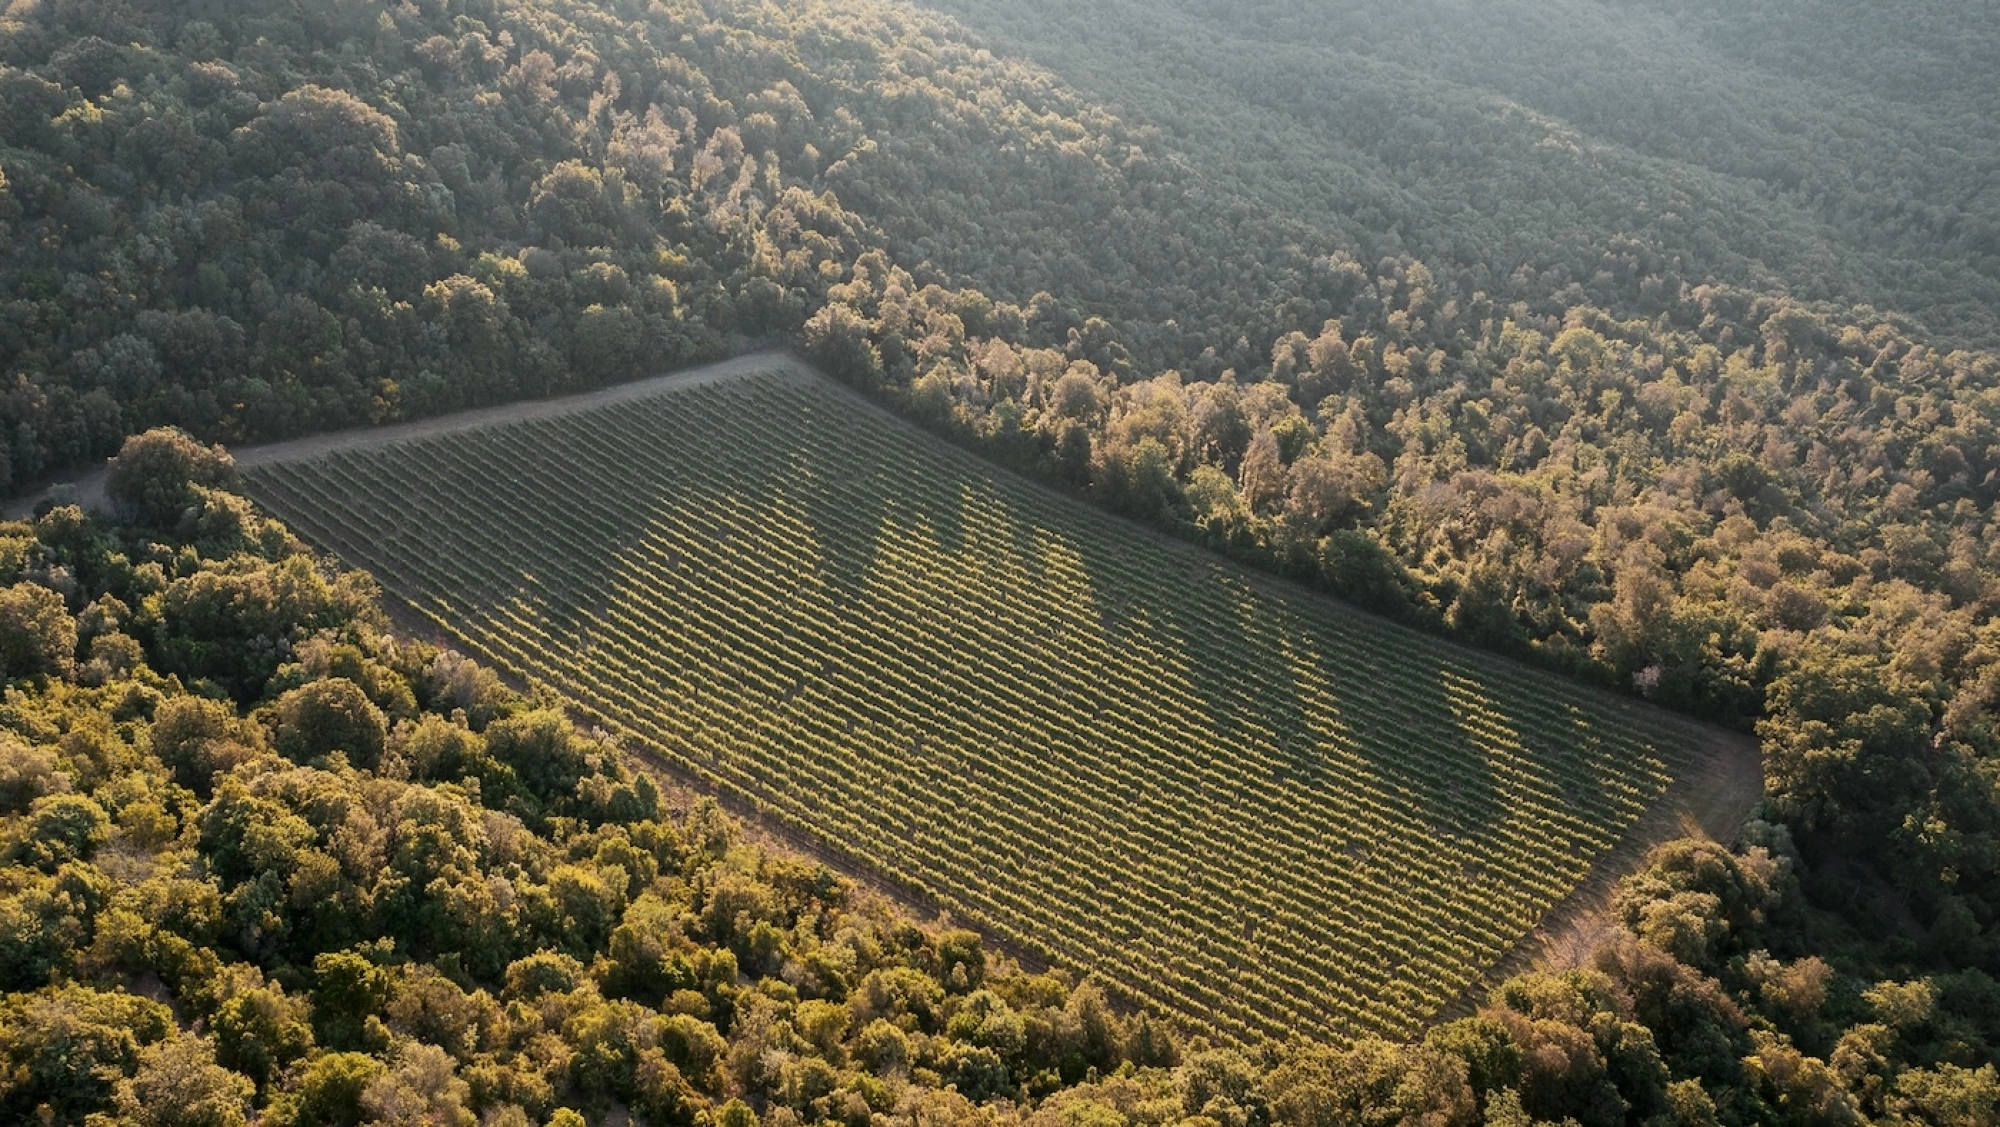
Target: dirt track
[[1714, 799], [88, 489]]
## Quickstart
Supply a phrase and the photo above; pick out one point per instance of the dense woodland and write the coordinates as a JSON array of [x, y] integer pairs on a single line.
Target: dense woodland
[[1625, 456], [1568, 151]]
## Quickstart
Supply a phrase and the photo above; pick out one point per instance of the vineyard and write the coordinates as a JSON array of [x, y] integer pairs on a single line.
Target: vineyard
[[1237, 804]]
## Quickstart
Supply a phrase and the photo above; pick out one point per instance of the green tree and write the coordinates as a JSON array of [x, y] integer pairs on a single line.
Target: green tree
[[60, 828], [156, 476], [197, 738], [328, 716], [66, 1047], [37, 633], [348, 989], [179, 1084], [542, 749], [329, 1092], [260, 1032]]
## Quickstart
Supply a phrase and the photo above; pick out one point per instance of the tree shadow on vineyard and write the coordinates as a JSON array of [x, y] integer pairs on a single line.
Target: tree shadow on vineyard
[[846, 507], [1451, 783], [583, 529], [591, 518], [603, 498], [1244, 682], [1578, 741], [1224, 673]]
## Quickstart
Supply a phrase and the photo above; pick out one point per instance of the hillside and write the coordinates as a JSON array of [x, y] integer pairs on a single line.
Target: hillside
[[1645, 341], [811, 606], [1841, 153], [263, 861], [259, 857]]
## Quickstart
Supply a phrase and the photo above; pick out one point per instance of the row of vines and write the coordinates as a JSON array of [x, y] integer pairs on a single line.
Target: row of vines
[[1241, 805]]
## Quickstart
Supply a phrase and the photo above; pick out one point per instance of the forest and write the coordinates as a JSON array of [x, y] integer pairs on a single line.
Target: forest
[[1758, 490], [1838, 153]]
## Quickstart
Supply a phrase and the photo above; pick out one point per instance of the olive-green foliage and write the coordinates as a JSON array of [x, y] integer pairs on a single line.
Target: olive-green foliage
[[330, 716], [362, 929], [195, 738], [59, 828], [37, 634], [260, 1031], [541, 749], [329, 1091], [1345, 334], [1530, 149], [65, 1046], [179, 1084], [256, 219], [157, 476]]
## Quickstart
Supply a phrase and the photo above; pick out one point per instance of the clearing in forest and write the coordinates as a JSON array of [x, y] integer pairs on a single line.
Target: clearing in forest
[[1232, 801]]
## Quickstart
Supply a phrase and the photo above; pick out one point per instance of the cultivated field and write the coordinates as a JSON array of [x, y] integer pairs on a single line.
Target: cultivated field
[[1232, 801]]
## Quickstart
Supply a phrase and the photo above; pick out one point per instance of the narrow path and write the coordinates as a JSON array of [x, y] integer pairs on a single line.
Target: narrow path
[[1712, 799], [87, 488]]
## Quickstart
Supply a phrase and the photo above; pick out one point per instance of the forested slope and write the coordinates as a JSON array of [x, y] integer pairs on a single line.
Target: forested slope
[[259, 856], [1634, 461], [1837, 152]]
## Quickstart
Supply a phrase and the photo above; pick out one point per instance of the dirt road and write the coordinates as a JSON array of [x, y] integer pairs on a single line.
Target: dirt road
[[87, 489], [1712, 799]]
